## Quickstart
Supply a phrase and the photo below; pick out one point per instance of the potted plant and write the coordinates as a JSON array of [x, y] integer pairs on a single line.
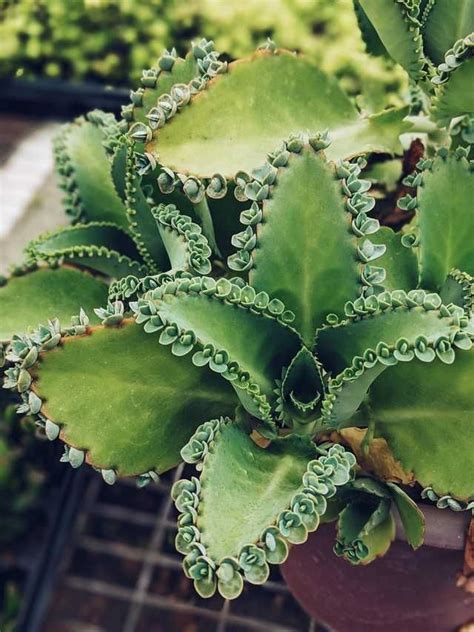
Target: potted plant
[[262, 326]]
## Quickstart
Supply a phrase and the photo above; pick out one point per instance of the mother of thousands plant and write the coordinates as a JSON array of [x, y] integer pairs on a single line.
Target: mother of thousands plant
[[258, 314]]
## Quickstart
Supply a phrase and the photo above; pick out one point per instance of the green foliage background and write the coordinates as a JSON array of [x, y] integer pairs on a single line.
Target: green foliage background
[[113, 40]]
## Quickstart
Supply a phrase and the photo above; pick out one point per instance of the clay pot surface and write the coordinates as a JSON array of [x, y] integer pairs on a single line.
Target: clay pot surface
[[404, 591]]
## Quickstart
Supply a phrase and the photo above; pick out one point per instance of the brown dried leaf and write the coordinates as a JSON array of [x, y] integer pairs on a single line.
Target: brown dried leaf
[[257, 438], [469, 550], [465, 579], [377, 459]]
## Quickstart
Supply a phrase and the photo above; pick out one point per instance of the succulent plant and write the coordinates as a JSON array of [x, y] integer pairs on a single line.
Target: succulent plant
[[230, 209]]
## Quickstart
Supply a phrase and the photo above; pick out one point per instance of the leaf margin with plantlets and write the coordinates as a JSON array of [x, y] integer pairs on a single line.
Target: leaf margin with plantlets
[[170, 70], [187, 247], [354, 224], [103, 247], [442, 215], [198, 186], [361, 367], [290, 526], [40, 276], [397, 20], [448, 102], [25, 376], [83, 199], [225, 295]]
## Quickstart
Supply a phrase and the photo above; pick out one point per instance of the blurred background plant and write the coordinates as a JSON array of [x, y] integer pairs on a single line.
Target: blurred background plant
[[111, 41], [22, 474], [23, 485]]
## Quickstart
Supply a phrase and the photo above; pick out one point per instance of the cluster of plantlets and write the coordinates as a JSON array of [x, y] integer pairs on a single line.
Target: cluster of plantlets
[[257, 311]]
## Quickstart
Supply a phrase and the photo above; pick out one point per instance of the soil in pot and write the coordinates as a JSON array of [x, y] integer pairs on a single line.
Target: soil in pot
[[405, 591]]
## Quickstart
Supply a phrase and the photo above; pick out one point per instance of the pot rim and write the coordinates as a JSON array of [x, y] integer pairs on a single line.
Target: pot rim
[[444, 528]]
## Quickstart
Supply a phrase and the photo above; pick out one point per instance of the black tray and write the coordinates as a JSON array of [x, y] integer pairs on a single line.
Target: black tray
[[44, 560], [57, 98]]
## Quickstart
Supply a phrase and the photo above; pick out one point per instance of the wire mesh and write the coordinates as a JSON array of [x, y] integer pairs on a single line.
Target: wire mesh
[[121, 573]]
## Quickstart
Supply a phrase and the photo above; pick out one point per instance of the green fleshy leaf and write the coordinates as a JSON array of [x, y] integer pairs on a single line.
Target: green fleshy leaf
[[447, 21], [400, 36], [241, 135], [365, 530], [454, 98], [282, 486], [150, 400], [141, 221], [379, 539], [360, 350], [439, 396], [238, 476], [337, 346], [103, 247], [182, 71], [307, 203], [459, 290], [89, 174], [373, 43], [260, 345], [444, 221], [399, 262], [46, 293], [412, 518], [288, 94]]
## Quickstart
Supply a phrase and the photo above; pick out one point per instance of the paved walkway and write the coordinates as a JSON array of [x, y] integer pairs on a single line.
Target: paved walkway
[[29, 199]]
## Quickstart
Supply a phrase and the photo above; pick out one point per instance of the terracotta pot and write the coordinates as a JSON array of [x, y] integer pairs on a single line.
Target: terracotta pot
[[404, 591]]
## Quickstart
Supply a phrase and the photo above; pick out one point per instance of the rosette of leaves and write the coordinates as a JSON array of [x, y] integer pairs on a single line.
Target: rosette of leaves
[[433, 41], [267, 310]]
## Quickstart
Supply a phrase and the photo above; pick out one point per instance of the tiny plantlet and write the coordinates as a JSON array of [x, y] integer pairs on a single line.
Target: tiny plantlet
[[240, 308]]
